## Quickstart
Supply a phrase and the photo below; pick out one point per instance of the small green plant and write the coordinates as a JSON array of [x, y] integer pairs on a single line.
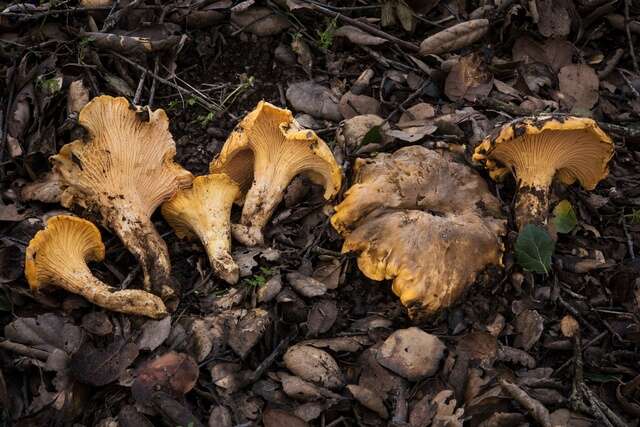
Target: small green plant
[[534, 248], [259, 279], [325, 37], [205, 119], [634, 216]]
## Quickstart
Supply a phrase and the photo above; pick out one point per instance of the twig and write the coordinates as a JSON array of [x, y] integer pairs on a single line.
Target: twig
[[365, 27], [629, 39], [533, 406], [629, 238], [611, 64], [152, 91], [199, 98], [632, 131], [24, 350], [136, 98]]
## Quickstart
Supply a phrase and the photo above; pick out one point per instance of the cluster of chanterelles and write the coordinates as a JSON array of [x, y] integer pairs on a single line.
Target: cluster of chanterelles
[[125, 170], [411, 215]]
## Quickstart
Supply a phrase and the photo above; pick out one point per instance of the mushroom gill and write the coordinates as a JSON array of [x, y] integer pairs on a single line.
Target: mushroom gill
[[411, 216], [537, 149], [204, 211], [58, 256], [122, 173], [269, 146]]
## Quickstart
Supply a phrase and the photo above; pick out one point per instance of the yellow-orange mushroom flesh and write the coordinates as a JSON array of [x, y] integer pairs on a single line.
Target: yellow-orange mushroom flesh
[[58, 255], [122, 173], [267, 150], [204, 211]]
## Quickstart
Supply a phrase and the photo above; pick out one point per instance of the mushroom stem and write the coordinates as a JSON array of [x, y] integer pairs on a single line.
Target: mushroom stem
[[221, 262], [531, 205], [129, 301], [262, 199], [147, 246]]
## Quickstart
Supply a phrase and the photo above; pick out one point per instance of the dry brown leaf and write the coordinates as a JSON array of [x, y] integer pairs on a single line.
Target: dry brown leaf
[[174, 373], [468, 80], [569, 326], [260, 21], [555, 53], [579, 83], [359, 37], [555, 20], [456, 37]]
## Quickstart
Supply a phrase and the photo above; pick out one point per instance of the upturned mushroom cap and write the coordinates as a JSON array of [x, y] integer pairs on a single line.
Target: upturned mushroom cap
[[58, 256], [267, 150], [412, 216], [537, 149], [122, 173], [204, 211]]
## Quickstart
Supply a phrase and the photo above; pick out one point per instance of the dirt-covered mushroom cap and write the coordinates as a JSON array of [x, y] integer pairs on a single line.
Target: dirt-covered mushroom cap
[[204, 211], [58, 255], [537, 149], [267, 150], [122, 173], [412, 216]]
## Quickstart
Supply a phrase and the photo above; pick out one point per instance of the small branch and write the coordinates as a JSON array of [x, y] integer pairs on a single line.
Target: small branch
[[365, 27], [629, 39], [533, 406]]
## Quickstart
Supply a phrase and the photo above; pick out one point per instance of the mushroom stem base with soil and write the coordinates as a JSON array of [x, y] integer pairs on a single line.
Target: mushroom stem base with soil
[[531, 205], [261, 200], [128, 301], [148, 247]]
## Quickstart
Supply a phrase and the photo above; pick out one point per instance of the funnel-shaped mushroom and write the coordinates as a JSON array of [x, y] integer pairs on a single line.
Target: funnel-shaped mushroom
[[270, 146], [204, 210], [535, 149], [123, 173], [58, 256], [423, 220]]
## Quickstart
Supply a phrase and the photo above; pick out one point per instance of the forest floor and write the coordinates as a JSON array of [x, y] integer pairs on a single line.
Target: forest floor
[[520, 347]]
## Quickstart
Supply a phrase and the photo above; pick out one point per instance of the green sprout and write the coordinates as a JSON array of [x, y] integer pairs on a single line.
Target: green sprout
[[325, 38], [259, 279]]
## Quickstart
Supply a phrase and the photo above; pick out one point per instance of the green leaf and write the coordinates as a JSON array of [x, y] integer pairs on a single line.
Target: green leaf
[[534, 248], [373, 136], [564, 217]]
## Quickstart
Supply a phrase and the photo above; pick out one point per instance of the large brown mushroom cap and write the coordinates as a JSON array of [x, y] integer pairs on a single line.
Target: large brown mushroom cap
[[267, 150], [412, 216], [58, 256], [204, 211], [537, 149], [123, 173]]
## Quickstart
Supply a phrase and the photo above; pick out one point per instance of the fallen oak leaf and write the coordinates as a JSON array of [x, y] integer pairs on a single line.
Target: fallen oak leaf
[[173, 373], [359, 37], [455, 37]]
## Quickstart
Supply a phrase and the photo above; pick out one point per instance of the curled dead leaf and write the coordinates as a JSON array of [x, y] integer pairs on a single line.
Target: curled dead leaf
[[455, 37], [173, 373]]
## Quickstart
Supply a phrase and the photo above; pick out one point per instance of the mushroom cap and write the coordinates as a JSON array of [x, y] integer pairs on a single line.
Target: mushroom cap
[[270, 136], [411, 216], [66, 244], [204, 211], [127, 160], [190, 211], [535, 149], [413, 178], [422, 253]]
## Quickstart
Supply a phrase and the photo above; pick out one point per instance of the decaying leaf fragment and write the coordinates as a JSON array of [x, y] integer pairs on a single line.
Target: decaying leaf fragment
[[204, 210], [122, 173], [455, 37], [537, 149], [267, 150], [58, 256], [411, 216]]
